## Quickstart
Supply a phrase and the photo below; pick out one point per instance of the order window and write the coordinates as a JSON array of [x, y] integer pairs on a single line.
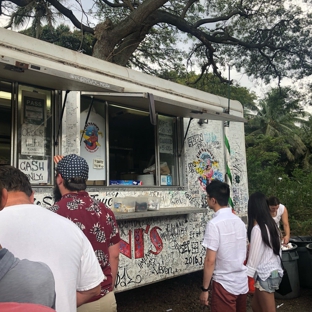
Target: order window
[[122, 147]]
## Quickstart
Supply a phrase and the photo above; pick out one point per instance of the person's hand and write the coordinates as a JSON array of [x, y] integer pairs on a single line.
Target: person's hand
[[286, 240], [204, 298]]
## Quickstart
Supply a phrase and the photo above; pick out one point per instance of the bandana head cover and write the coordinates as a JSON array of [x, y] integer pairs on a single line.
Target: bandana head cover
[[73, 166]]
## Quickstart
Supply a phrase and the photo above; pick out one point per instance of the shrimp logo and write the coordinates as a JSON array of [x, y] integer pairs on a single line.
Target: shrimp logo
[[91, 137], [207, 168]]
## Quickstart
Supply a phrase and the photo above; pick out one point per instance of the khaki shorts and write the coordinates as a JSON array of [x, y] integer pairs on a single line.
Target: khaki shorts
[[104, 304]]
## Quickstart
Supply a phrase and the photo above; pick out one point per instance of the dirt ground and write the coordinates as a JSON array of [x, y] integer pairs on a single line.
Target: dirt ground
[[181, 294]]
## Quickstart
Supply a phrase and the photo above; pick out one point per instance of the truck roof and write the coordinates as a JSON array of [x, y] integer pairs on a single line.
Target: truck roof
[[32, 61]]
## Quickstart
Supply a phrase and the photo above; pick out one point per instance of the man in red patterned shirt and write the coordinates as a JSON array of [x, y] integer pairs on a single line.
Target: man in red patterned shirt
[[96, 221]]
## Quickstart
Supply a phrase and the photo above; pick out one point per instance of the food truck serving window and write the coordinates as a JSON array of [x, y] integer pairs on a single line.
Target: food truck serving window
[[139, 153]]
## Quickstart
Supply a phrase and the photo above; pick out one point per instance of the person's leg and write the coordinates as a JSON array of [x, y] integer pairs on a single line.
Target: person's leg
[[222, 300], [255, 305], [267, 301], [241, 303]]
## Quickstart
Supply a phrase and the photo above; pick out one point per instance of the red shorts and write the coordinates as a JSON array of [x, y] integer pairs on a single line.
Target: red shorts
[[222, 300]]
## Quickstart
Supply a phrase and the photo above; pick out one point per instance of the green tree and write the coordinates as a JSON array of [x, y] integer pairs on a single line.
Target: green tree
[[211, 84], [63, 36], [268, 39], [263, 163], [36, 11], [279, 115]]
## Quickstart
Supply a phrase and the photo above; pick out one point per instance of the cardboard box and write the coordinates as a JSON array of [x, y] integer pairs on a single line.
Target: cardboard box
[[165, 180]]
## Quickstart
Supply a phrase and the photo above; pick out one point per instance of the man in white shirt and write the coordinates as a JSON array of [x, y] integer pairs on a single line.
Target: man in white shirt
[[37, 234], [225, 240]]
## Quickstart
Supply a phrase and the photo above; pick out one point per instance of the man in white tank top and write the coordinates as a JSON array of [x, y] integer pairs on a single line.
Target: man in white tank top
[[279, 212]]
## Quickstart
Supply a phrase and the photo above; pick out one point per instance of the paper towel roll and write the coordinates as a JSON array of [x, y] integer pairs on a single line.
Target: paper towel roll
[[147, 179]]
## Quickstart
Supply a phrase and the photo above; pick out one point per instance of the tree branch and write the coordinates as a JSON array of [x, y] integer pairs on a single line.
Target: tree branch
[[113, 5], [188, 5], [128, 4], [62, 9], [220, 18]]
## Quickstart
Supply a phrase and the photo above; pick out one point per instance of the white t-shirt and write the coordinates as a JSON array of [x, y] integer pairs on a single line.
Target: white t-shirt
[[261, 259], [35, 233], [226, 234], [279, 212]]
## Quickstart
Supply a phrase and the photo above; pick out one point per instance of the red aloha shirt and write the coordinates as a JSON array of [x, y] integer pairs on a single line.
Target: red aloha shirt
[[98, 223]]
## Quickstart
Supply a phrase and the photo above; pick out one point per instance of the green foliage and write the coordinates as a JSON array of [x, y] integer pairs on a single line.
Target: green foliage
[[211, 84], [295, 193], [280, 114], [63, 36], [36, 11], [273, 130]]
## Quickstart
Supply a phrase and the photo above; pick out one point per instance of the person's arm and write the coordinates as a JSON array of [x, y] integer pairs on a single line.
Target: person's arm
[[209, 266], [90, 275], [255, 251], [114, 261], [286, 226], [84, 296]]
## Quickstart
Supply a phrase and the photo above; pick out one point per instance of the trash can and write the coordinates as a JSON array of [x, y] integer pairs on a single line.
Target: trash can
[[304, 262], [290, 257], [309, 248]]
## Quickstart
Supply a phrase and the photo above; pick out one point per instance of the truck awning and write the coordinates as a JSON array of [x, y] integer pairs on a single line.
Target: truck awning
[[43, 76], [163, 105]]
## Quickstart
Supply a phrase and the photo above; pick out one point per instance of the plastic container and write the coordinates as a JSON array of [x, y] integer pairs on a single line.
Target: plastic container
[[141, 204], [304, 262], [124, 204], [153, 203], [290, 260], [144, 203], [146, 179], [309, 248]]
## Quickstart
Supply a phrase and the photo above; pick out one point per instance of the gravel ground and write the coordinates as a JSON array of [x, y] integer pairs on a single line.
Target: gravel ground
[[181, 294]]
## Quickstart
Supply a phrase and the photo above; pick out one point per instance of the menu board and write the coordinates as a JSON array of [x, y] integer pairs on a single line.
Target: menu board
[[33, 126], [32, 140]]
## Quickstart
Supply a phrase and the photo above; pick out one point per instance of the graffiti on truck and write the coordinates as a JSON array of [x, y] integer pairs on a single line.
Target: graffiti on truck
[[138, 242]]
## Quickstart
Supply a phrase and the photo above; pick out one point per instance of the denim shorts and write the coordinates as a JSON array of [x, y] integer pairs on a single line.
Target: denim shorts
[[270, 284]]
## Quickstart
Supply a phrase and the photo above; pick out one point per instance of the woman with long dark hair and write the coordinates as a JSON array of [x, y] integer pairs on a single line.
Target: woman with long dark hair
[[263, 263]]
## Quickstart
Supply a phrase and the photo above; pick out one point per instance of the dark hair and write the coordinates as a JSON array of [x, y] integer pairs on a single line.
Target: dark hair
[[1, 189], [75, 184], [258, 211], [273, 201], [220, 191], [15, 180]]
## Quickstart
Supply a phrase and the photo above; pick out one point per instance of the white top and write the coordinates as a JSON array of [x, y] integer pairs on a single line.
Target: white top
[[261, 259], [226, 234], [279, 212], [37, 234]]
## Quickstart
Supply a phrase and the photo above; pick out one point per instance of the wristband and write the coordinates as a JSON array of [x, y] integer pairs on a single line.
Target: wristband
[[204, 289]]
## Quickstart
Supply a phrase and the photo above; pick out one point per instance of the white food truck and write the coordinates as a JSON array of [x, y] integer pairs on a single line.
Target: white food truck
[[152, 146]]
